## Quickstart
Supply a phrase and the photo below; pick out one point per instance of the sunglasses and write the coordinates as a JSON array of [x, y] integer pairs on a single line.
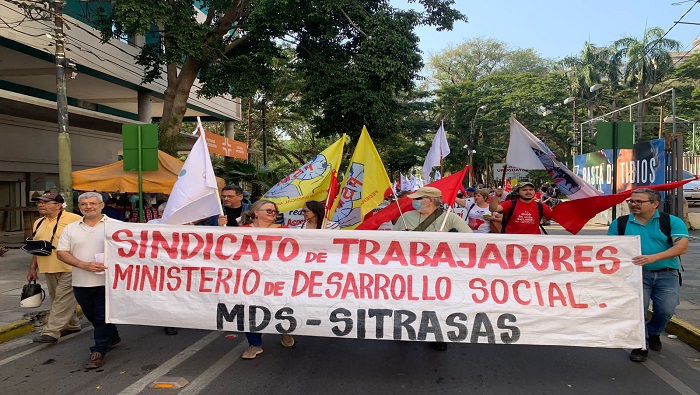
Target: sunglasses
[[270, 211]]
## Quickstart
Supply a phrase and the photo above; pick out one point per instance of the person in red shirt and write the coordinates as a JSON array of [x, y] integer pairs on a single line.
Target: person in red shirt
[[525, 216]]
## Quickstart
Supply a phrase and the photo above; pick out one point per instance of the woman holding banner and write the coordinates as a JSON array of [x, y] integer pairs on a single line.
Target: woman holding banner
[[261, 214], [314, 212]]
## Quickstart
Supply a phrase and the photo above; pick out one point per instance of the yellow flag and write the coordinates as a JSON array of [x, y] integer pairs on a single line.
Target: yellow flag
[[363, 186], [309, 182]]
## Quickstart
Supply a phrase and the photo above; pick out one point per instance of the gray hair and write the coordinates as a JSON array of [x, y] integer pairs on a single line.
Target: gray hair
[[652, 194], [88, 195], [437, 200], [161, 208]]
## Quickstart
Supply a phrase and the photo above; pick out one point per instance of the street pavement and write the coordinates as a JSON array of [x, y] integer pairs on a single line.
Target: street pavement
[[211, 360]]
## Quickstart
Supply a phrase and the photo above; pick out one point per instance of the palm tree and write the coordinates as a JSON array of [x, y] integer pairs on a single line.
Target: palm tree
[[648, 61], [592, 66]]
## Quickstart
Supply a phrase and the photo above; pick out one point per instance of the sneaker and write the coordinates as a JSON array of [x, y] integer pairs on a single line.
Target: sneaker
[[639, 355], [95, 361], [287, 340], [655, 342], [440, 346], [45, 339], [251, 352], [67, 332]]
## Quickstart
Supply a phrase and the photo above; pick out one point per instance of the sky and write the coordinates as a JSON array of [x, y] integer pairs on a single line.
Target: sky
[[558, 28]]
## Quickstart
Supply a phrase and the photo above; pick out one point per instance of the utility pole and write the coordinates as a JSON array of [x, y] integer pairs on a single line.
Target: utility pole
[[65, 166]]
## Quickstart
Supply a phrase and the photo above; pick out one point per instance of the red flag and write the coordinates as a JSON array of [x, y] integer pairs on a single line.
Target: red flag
[[572, 215], [509, 186], [332, 191], [448, 185]]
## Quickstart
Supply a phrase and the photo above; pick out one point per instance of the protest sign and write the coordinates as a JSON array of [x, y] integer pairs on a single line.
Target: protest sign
[[427, 286]]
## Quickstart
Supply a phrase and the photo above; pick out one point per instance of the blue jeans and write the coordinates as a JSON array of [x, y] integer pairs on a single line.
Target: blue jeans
[[663, 289], [254, 339], [92, 301]]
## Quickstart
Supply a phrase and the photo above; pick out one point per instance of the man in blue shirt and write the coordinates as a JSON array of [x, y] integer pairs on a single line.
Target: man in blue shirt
[[659, 261]]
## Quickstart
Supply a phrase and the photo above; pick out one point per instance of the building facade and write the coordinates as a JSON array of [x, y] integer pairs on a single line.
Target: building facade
[[104, 90]]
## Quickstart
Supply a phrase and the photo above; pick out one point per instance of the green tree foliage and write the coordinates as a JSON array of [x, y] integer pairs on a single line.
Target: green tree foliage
[[648, 61], [356, 56], [506, 82]]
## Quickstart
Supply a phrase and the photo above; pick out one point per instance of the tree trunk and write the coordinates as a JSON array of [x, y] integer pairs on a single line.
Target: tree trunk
[[175, 104]]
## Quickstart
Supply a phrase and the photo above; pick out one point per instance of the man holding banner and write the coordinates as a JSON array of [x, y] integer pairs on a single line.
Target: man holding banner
[[664, 238], [429, 217]]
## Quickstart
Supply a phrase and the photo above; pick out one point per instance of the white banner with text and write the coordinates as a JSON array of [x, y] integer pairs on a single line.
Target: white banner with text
[[427, 286]]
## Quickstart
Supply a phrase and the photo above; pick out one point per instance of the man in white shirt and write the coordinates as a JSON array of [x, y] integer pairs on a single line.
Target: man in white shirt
[[80, 242]]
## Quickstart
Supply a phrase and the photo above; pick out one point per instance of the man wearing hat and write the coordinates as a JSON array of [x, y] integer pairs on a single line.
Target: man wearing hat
[[521, 215], [63, 319], [428, 217]]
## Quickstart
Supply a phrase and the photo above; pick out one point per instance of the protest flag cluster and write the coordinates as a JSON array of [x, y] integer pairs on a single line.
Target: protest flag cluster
[[364, 185]]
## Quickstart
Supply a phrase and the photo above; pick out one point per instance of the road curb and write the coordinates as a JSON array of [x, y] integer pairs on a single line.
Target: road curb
[[15, 329], [687, 332], [19, 328]]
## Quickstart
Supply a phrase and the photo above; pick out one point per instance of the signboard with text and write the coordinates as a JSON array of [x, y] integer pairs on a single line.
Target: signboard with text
[[415, 286], [642, 165], [221, 145]]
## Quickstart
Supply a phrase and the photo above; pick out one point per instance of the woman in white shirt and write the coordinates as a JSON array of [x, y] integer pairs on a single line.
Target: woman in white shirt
[[478, 214]]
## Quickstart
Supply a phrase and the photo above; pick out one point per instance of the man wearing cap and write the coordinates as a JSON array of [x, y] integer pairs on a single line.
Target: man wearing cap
[[521, 215], [428, 217], [80, 246], [63, 319]]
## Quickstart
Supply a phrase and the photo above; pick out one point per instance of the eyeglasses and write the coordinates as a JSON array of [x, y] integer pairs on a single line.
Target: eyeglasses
[[638, 202], [88, 204], [230, 196], [421, 198], [270, 211]]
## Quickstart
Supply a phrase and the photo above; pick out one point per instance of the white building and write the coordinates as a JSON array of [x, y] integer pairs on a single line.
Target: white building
[[105, 93]]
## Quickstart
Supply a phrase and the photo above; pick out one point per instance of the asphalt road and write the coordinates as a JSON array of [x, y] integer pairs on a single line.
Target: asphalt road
[[210, 362]]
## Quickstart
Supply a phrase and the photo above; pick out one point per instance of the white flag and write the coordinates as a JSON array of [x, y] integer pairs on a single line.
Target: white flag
[[528, 152], [437, 175], [438, 151], [194, 195]]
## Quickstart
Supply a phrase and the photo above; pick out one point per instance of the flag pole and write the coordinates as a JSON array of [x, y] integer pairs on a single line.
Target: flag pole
[[200, 128], [396, 200], [444, 220]]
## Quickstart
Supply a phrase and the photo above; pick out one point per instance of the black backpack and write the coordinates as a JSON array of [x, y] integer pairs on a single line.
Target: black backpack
[[664, 224], [507, 216]]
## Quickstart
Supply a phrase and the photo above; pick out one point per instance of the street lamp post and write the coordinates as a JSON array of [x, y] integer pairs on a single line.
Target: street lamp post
[[568, 100], [470, 144]]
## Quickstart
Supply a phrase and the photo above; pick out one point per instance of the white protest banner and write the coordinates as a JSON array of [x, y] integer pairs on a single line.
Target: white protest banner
[[427, 286]]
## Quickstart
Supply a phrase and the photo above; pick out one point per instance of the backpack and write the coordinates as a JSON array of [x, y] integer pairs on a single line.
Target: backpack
[[664, 226], [506, 217]]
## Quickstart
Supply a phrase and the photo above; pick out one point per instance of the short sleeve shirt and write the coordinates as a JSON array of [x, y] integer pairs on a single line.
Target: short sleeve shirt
[[653, 239], [51, 263], [526, 217], [83, 242]]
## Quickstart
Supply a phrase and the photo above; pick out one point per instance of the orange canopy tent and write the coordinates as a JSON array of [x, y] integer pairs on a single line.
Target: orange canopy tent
[[113, 178]]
